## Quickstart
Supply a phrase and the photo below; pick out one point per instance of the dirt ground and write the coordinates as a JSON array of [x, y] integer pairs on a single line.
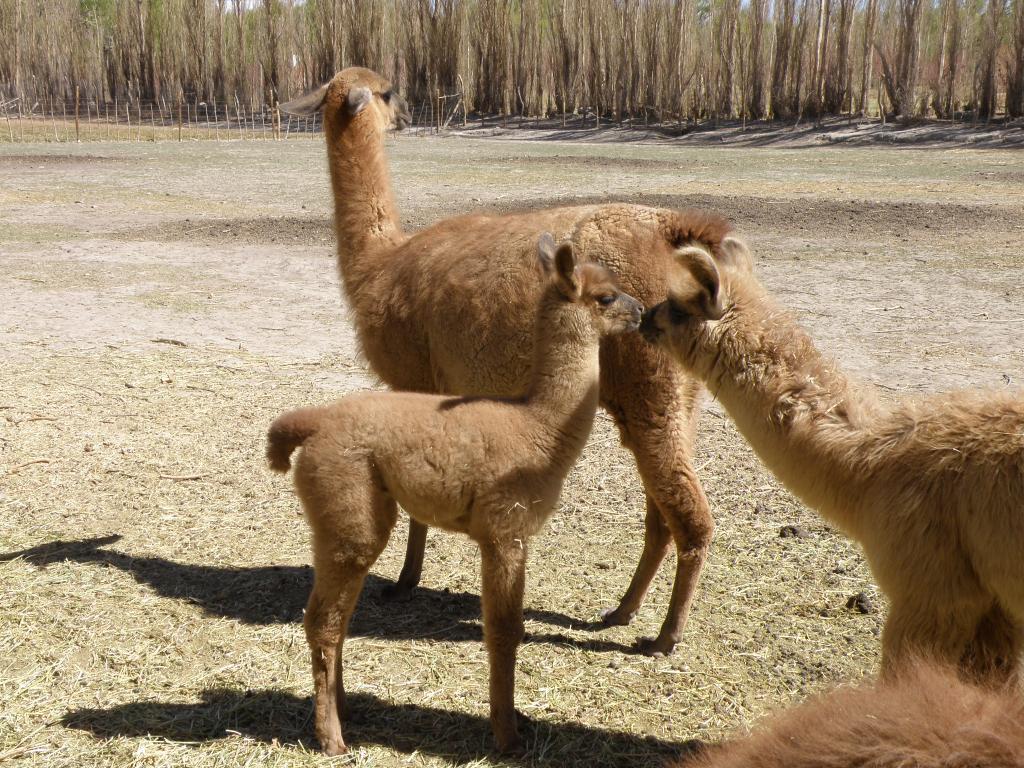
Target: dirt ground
[[161, 303]]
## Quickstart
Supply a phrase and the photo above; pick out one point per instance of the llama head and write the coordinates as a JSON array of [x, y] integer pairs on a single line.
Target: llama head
[[354, 95], [590, 287], [708, 299]]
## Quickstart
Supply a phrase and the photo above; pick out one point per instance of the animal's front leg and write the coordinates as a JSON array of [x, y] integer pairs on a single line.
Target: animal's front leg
[[503, 570], [993, 655], [921, 627]]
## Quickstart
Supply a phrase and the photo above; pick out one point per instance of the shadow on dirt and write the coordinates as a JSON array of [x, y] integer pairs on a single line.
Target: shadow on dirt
[[276, 594], [274, 716], [829, 131]]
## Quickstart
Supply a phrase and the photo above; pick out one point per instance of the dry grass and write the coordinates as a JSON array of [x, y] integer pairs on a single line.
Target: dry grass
[[154, 572]]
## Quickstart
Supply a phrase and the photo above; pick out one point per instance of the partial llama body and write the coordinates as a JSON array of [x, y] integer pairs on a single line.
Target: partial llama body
[[932, 487], [415, 302], [925, 718], [488, 468]]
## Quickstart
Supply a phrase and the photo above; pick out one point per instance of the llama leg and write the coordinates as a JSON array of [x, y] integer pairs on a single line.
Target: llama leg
[[657, 422], [915, 630], [993, 656], [657, 540], [412, 568], [341, 561], [503, 571]]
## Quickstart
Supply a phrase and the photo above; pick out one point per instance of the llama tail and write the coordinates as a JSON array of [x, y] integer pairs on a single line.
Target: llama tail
[[288, 432]]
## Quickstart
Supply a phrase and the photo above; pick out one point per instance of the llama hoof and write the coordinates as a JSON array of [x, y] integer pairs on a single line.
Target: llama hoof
[[655, 647], [511, 746], [333, 747], [393, 593], [615, 617]]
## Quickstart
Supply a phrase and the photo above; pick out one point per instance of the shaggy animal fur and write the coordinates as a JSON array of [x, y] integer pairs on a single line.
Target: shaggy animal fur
[[447, 310], [932, 487], [489, 468], [927, 718]]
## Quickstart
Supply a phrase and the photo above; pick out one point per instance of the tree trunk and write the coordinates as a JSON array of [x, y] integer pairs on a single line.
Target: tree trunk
[[868, 55], [987, 65], [1015, 74], [814, 97], [272, 12], [755, 100]]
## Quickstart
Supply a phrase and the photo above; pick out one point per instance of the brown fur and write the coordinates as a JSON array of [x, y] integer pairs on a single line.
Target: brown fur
[[488, 468], [927, 718], [447, 310], [932, 487]]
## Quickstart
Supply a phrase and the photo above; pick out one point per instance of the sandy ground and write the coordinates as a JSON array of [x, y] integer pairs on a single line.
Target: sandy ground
[[162, 302]]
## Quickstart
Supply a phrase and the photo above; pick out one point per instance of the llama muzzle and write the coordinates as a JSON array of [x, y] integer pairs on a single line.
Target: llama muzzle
[[648, 326]]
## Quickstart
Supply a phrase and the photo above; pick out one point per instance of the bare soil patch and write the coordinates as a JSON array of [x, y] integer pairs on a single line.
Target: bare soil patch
[[253, 231], [154, 572], [823, 217]]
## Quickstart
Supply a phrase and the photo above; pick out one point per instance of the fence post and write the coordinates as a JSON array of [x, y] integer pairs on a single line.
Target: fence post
[[53, 119], [9, 127], [128, 115], [78, 137], [181, 106], [462, 88]]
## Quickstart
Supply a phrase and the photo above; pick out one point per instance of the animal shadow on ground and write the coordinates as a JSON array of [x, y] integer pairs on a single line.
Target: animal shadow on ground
[[275, 716], [276, 594]]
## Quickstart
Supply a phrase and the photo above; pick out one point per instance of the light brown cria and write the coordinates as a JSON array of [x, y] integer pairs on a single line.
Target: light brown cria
[[490, 468]]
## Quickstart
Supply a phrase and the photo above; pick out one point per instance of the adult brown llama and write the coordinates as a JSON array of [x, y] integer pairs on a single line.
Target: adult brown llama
[[491, 468], [423, 326]]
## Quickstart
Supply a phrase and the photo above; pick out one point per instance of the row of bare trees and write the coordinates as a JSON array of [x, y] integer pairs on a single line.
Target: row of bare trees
[[657, 59]]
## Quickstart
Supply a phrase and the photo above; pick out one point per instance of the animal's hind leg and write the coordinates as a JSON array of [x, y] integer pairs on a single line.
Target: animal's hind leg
[[657, 540], [503, 571], [993, 655], [347, 539], [657, 412], [412, 568]]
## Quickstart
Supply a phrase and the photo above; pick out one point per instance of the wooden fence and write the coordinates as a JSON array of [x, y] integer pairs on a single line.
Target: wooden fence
[[84, 119]]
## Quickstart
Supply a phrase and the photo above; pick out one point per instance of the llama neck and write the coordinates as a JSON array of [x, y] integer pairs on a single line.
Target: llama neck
[[365, 215], [565, 378], [799, 412]]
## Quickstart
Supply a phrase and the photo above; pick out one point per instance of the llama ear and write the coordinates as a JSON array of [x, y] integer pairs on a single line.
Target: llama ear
[[546, 253], [566, 279], [709, 303], [306, 105], [358, 99], [736, 254]]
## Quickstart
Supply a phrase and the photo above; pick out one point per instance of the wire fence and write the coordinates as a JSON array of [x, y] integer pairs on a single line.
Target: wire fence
[[80, 120]]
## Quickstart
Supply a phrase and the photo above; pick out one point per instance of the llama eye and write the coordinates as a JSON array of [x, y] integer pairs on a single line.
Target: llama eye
[[605, 300], [386, 96]]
